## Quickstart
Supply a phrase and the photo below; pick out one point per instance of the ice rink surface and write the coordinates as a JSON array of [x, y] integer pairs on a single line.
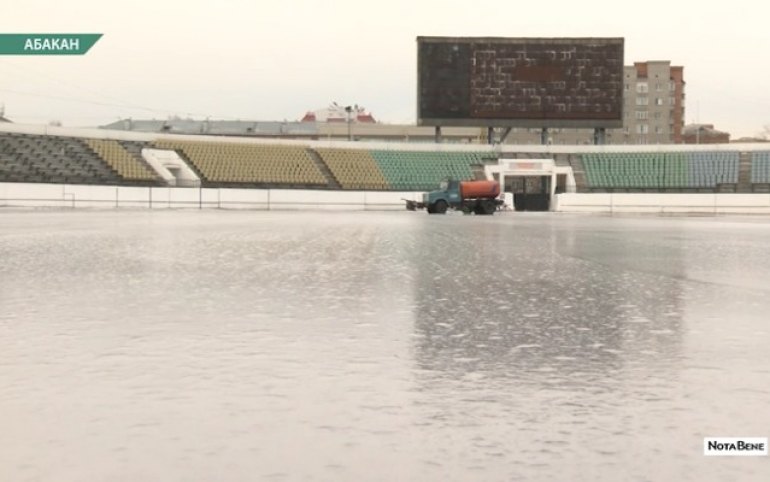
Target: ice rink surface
[[239, 346]]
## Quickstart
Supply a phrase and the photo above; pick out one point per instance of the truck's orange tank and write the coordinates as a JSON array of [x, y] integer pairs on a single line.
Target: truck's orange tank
[[479, 189]]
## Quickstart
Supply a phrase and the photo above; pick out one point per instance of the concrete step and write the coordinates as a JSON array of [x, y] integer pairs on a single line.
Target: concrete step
[[319, 162], [744, 173]]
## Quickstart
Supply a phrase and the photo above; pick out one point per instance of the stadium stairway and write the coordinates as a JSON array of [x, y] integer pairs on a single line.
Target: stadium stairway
[[744, 173], [321, 165], [581, 183], [135, 148], [180, 152]]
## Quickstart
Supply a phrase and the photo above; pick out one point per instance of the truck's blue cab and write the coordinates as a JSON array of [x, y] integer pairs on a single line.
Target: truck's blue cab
[[448, 192]]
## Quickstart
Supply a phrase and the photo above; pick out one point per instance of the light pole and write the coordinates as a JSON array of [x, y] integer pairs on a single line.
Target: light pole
[[348, 110]]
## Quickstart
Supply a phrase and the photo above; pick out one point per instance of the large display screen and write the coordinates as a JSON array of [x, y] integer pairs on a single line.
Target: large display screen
[[535, 82]]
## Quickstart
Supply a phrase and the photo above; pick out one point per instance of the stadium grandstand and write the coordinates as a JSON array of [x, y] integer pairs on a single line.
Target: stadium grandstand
[[102, 157]]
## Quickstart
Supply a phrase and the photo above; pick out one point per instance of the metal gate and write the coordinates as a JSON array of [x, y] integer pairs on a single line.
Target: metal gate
[[530, 193]]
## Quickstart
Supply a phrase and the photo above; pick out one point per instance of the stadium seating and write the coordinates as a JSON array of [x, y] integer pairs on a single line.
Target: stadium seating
[[255, 164], [127, 165], [238, 163], [52, 159], [760, 167], [354, 168], [664, 170], [708, 169], [423, 170]]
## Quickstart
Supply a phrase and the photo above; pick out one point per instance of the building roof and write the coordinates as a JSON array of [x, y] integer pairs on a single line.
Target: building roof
[[703, 130], [339, 113], [215, 127]]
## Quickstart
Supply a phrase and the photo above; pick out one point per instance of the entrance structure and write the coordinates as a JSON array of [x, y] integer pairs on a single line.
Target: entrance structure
[[533, 182]]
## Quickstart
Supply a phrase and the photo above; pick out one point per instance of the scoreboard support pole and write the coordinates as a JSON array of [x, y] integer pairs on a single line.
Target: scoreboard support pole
[[544, 136], [600, 136]]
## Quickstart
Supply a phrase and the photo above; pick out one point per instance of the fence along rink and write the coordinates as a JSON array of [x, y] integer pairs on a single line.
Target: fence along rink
[[35, 195], [20, 195]]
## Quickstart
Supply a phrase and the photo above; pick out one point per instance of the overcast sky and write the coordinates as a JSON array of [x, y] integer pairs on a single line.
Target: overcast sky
[[274, 60]]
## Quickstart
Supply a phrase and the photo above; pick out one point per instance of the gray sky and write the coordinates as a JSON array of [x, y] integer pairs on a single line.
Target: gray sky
[[273, 60]]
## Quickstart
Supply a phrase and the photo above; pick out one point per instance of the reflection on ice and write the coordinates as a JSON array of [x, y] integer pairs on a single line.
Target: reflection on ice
[[387, 346], [526, 306]]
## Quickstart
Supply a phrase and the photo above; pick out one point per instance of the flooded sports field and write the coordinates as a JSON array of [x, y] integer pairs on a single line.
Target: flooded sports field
[[240, 346]]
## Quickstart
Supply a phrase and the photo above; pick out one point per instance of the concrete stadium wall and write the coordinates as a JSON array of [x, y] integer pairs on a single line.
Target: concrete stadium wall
[[24, 195], [663, 203], [21, 195]]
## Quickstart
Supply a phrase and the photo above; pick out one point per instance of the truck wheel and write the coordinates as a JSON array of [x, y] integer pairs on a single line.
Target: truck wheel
[[489, 208], [440, 207]]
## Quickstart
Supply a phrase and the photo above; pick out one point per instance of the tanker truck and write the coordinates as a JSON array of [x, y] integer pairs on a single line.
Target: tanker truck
[[480, 197]]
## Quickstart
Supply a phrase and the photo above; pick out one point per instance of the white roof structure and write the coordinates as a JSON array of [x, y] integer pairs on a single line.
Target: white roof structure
[[339, 113]]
